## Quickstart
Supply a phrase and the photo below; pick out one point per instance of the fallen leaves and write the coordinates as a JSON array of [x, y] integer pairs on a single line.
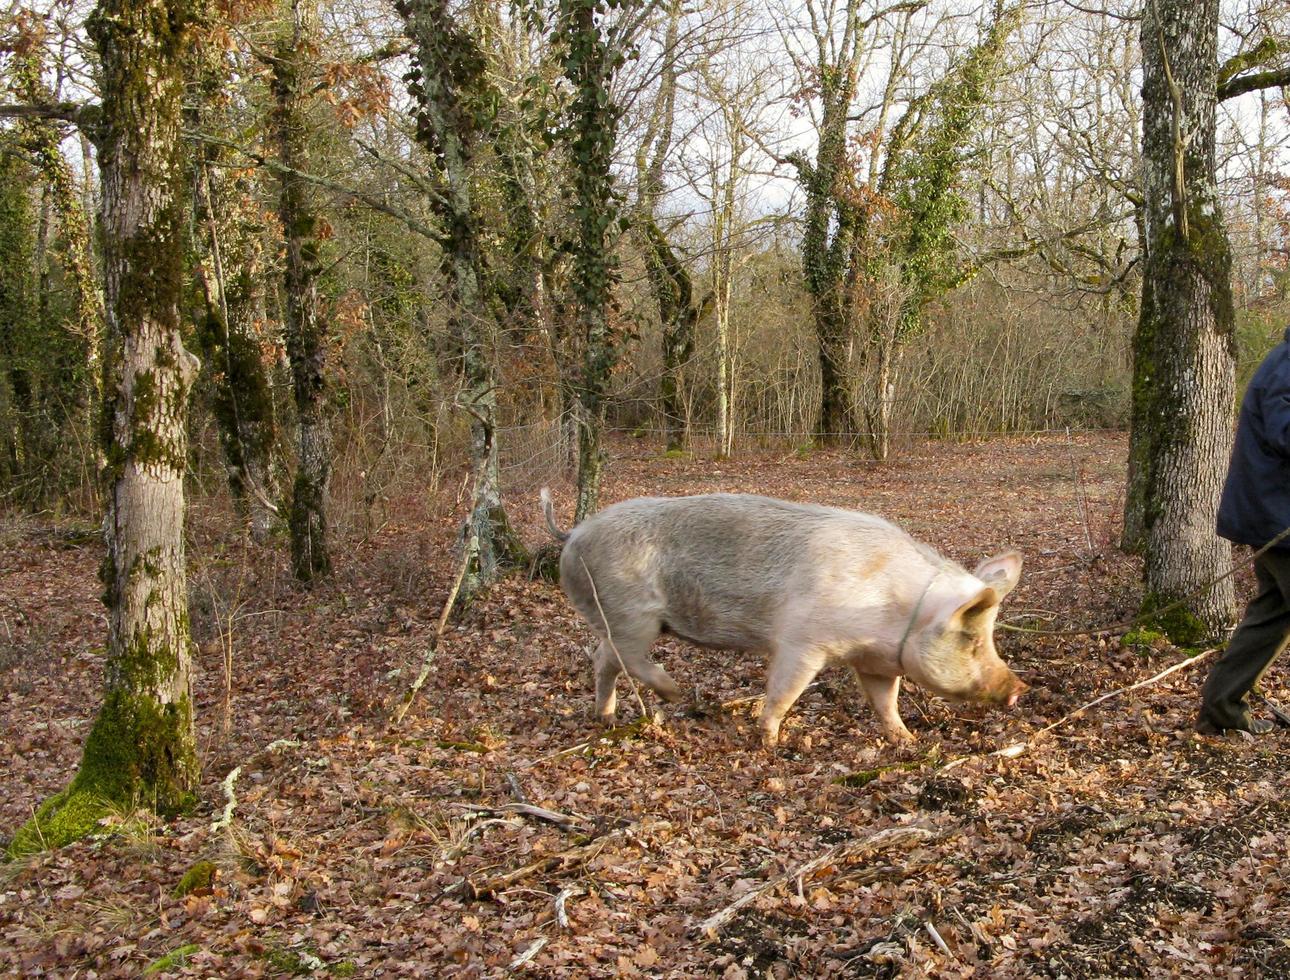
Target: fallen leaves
[[1118, 842]]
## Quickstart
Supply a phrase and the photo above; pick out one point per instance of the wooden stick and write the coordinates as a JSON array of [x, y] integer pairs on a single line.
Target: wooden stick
[[573, 856], [411, 694], [838, 852], [529, 953], [527, 810], [1017, 748], [227, 817]]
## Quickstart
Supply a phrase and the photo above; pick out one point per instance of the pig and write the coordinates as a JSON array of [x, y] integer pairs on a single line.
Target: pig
[[810, 585]]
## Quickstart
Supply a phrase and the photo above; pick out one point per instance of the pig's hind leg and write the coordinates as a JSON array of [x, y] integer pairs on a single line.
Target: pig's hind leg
[[792, 668], [629, 650]]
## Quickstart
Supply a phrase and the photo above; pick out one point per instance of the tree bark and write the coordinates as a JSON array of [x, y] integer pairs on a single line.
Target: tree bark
[[141, 748], [42, 138], [678, 311], [1184, 347], [306, 332], [230, 271], [589, 65], [18, 316], [450, 84]]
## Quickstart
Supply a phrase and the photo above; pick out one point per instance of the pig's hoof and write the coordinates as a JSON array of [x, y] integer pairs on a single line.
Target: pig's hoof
[[769, 740], [900, 736]]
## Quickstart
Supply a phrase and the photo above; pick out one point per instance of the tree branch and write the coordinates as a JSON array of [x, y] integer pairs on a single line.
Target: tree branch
[[1276, 78], [376, 204], [77, 113]]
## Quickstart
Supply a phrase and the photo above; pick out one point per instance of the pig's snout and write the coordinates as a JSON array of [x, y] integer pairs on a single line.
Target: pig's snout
[[1011, 690]]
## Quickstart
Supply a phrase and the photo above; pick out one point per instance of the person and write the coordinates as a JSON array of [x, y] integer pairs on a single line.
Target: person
[[1255, 510]]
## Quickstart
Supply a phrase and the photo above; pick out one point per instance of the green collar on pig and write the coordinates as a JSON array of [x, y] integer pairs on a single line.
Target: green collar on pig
[[913, 618]]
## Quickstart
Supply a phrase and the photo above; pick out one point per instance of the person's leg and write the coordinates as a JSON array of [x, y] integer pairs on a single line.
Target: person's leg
[[1261, 635]]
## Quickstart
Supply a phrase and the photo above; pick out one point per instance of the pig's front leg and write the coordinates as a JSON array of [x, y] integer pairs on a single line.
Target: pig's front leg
[[882, 693], [791, 670]]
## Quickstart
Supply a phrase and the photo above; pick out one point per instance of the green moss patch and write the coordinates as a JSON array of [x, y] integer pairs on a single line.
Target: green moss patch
[[199, 877], [65, 817], [175, 959]]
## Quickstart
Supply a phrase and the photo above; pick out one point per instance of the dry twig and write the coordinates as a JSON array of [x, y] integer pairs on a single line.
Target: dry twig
[[835, 854]]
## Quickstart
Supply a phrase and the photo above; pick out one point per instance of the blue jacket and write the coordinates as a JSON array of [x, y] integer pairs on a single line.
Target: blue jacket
[[1256, 497]]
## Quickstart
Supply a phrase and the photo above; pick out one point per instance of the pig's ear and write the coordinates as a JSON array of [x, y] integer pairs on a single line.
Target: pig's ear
[[1000, 572], [968, 615]]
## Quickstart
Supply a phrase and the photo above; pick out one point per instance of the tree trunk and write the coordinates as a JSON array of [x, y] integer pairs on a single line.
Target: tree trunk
[[42, 139], [1184, 378], [678, 313], [243, 401], [833, 334], [306, 334], [449, 79], [589, 66], [141, 748], [17, 316]]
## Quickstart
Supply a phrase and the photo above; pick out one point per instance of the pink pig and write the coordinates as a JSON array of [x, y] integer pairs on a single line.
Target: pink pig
[[811, 585]]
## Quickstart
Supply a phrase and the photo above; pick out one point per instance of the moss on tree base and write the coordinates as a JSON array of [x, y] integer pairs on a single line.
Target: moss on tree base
[[139, 752], [71, 815], [1182, 626]]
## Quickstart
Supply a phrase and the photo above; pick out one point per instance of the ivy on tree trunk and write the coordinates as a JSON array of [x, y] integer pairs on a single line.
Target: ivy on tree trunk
[[589, 63], [306, 331], [456, 113]]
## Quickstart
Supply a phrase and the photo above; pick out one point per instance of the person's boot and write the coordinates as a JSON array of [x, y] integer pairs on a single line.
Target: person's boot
[[1255, 726]]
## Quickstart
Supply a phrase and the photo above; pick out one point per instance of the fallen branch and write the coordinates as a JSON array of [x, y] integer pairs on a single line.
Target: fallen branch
[[834, 855], [526, 810], [736, 702], [566, 893], [936, 937], [227, 817], [573, 857], [529, 953]]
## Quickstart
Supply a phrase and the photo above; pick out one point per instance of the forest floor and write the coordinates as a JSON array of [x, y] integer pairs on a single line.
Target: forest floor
[[1120, 843]]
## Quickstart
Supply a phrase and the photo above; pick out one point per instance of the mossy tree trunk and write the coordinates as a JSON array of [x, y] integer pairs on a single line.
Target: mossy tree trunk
[[42, 139], [590, 60], [18, 326], [141, 750], [230, 270], [306, 332], [1184, 348], [456, 118]]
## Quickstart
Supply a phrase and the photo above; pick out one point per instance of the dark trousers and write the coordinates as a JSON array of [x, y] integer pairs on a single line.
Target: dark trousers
[[1261, 635]]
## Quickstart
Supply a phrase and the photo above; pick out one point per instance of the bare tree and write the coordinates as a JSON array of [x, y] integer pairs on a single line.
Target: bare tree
[[230, 268]]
